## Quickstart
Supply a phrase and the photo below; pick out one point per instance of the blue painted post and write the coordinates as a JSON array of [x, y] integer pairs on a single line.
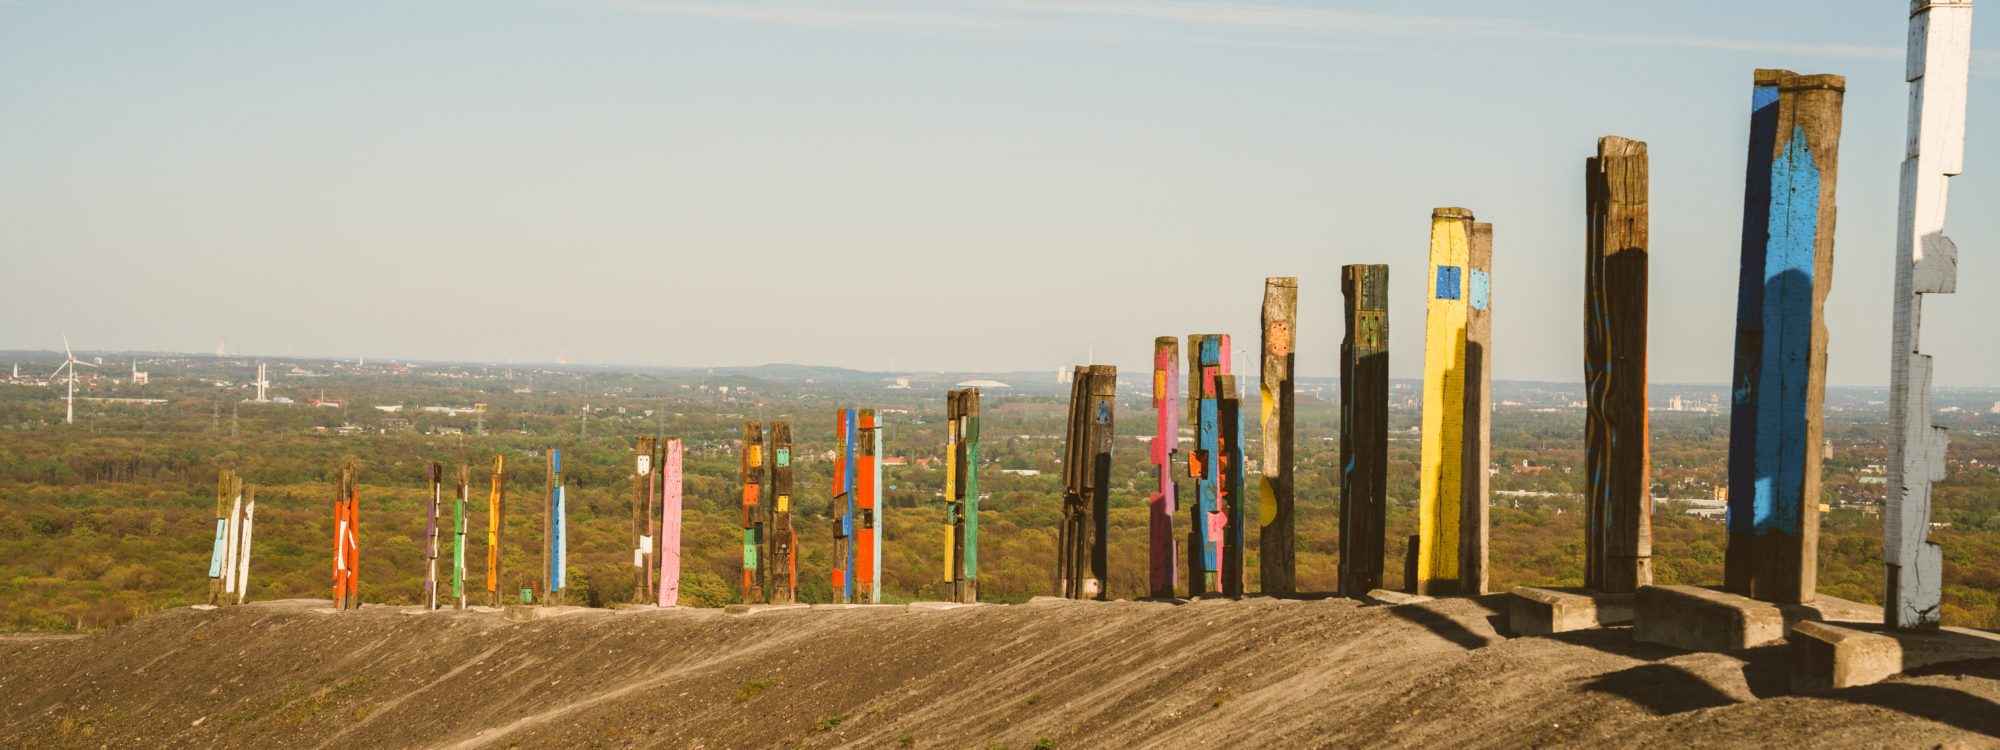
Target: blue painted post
[[1779, 384], [1208, 361]]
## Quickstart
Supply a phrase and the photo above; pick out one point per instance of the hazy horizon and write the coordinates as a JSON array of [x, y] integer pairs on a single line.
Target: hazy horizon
[[955, 185]]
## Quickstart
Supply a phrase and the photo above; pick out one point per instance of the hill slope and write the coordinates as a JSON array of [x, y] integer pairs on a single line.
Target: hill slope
[[1261, 672]]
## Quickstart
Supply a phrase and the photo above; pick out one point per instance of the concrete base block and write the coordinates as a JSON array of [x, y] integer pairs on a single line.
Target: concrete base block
[[203, 607], [1826, 656], [530, 612], [1385, 596], [1699, 619], [843, 605], [941, 605], [751, 609], [1542, 611]]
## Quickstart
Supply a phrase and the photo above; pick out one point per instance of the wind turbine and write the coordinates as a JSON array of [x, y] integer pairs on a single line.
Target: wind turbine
[[69, 363]]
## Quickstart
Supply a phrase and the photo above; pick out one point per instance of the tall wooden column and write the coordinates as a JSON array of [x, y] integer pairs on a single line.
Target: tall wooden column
[[961, 518], [347, 537], [753, 522], [1277, 564], [558, 539], [1082, 556], [1780, 374], [226, 488], [1163, 567], [1927, 263], [864, 506], [1476, 482], [1229, 467], [846, 428], [496, 507], [1442, 460], [1364, 427], [431, 530], [1208, 361], [1618, 540], [642, 503], [458, 538], [781, 563], [670, 523]]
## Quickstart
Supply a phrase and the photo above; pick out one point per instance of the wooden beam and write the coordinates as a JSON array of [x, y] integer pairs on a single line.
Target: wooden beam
[[1442, 459], [864, 506], [643, 480], [1476, 482], [1229, 467], [781, 562], [1364, 428], [962, 495], [431, 530], [496, 525], [1618, 540], [1082, 558], [1939, 60], [1776, 427], [670, 523], [1277, 563], [752, 461], [1208, 361], [1163, 565]]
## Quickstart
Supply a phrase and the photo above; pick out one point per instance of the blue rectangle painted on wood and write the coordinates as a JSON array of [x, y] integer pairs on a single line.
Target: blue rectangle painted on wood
[[1749, 350], [1788, 324]]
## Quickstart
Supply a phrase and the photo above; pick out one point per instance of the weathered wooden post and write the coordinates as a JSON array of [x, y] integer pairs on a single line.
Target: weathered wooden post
[[1618, 542], [782, 559], [846, 432], [496, 502], [243, 555], [1230, 467], [1277, 562], [753, 524], [1163, 564], [1926, 263], [347, 537], [226, 485], [961, 497], [867, 475], [1082, 557], [642, 517], [1208, 361], [1442, 463], [458, 538], [558, 541], [1780, 374], [877, 531], [436, 476], [1476, 482], [670, 523], [1364, 428]]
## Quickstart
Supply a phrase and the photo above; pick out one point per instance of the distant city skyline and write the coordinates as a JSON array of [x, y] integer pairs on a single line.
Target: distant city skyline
[[951, 185]]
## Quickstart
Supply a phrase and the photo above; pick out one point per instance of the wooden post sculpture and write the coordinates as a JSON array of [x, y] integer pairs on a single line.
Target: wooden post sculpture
[[1618, 541], [1208, 361], [347, 537], [961, 497], [1163, 557], [1081, 554], [1364, 427], [1926, 263], [1441, 467], [753, 523], [496, 501], [1476, 483], [877, 532], [643, 481], [670, 523], [1229, 491], [1780, 375], [458, 539], [1277, 563], [243, 554], [557, 571], [781, 551], [431, 534], [867, 472], [842, 507], [227, 490]]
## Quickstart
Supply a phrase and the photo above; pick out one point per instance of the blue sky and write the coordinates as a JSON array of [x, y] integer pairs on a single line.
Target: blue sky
[[950, 184]]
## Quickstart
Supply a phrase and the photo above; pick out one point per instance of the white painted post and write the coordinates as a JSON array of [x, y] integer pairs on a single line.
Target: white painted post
[[243, 557], [881, 532], [1940, 52], [232, 549]]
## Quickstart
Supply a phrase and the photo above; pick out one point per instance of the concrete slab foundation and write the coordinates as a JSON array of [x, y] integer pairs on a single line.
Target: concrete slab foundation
[[1704, 619], [1385, 596], [1827, 656], [1542, 611], [751, 609], [942, 605]]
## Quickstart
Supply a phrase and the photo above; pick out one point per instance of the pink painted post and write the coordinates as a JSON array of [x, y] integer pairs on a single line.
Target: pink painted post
[[670, 524], [1166, 442]]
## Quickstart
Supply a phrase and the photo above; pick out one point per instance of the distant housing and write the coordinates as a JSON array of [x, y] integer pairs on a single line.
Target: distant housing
[[983, 384]]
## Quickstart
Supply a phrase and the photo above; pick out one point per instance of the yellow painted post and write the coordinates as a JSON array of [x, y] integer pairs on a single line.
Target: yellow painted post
[[1442, 460]]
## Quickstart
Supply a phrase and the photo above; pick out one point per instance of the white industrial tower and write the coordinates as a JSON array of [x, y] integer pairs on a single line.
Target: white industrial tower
[[263, 383]]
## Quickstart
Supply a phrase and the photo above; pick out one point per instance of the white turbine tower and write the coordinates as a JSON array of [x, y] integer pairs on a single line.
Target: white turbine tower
[[69, 363]]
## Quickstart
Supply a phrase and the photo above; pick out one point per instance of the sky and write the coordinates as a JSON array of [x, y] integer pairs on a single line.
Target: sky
[[956, 185]]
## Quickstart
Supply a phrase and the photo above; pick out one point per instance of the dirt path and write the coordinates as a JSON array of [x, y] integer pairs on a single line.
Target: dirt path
[[1261, 672]]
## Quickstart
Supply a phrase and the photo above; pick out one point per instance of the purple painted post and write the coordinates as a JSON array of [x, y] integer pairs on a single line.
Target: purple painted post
[[670, 523], [1166, 442]]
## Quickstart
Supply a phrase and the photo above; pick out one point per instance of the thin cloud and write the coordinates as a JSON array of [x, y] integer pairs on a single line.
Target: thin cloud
[[1232, 24]]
